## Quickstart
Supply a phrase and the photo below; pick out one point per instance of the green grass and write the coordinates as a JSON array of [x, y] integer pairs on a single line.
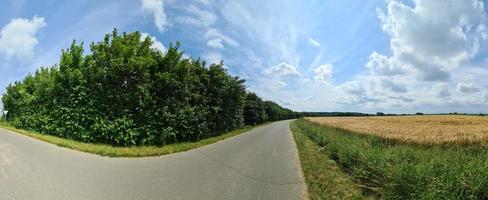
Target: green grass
[[324, 178], [112, 151], [387, 170]]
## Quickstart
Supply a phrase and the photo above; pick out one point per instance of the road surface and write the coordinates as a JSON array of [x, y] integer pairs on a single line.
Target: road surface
[[259, 164]]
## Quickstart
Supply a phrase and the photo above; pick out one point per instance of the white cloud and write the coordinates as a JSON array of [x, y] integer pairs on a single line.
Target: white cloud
[[432, 64], [215, 43], [282, 70], [156, 44], [323, 73], [156, 7], [197, 17], [468, 87], [218, 37], [280, 37], [382, 65], [442, 91], [205, 20], [204, 2], [393, 87], [434, 36], [212, 57], [314, 42], [18, 36], [281, 84], [353, 87]]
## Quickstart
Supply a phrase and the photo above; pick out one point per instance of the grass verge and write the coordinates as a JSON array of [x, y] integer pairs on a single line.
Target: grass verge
[[324, 178], [111, 151], [402, 171]]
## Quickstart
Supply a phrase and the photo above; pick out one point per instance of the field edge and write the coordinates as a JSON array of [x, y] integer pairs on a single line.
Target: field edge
[[324, 178], [137, 151]]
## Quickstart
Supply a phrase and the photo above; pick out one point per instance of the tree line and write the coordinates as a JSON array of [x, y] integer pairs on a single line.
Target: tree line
[[124, 92]]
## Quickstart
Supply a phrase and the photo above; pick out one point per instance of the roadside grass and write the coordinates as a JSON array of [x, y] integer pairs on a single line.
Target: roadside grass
[[389, 170], [138, 151], [324, 178]]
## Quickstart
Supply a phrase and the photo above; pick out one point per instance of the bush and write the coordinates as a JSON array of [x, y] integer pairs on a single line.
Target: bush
[[123, 92]]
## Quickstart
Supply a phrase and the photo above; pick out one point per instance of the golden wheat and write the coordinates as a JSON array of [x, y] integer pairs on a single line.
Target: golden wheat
[[418, 129]]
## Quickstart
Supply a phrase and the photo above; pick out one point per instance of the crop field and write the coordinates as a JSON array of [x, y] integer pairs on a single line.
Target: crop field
[[383, 169], [435, 129]]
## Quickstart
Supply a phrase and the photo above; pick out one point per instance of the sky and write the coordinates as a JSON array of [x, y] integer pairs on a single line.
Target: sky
[[371, 56]]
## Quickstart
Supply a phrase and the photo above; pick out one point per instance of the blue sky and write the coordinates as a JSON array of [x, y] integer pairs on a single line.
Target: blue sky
[[316, 55]]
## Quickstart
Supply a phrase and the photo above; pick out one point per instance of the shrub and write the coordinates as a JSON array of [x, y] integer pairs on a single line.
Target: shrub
[[124, 92]]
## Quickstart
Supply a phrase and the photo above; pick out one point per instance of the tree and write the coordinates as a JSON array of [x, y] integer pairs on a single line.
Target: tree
[[254, 110], [124, 92]]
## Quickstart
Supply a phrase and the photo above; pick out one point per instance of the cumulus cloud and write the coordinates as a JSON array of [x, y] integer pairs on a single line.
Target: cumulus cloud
[[434, 44], [433, 37], [19, 36], [353, 87], [323, 73], [281, 84], [314, 42], [156, 7], [442, 91], [357, 100], [393, 87], [382, 65], [283, 70], [156, 44], [468, 87]]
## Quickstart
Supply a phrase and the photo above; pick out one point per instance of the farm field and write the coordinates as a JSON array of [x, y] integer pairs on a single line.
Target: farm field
[[386, 169], [429, 129]]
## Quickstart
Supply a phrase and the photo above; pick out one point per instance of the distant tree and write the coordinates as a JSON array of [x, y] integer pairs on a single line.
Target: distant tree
[[380, 114], [419, 113], [276, 112]]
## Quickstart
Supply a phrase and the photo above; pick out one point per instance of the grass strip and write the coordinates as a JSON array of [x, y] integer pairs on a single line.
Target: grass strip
[[403, 171], [138, 151], [324, 178]]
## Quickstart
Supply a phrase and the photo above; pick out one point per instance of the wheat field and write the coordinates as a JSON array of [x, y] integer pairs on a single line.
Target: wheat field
[[436, 129]]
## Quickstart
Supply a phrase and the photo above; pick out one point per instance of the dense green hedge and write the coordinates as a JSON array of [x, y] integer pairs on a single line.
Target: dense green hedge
[[392, 170], [123, 92]]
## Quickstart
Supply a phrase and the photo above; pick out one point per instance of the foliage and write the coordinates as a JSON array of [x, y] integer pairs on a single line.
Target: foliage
[[254, 109], [404, 171], [126, 93], [134, 151], [257, 111]]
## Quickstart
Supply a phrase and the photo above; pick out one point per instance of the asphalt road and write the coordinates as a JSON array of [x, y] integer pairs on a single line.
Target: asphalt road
[[260, 164]]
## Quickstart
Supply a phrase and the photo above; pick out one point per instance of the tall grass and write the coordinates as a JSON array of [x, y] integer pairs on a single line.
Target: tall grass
[[324, 178], [402, 171]]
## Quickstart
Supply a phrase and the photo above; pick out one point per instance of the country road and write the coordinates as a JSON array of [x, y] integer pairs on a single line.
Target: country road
[[259, 164]]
